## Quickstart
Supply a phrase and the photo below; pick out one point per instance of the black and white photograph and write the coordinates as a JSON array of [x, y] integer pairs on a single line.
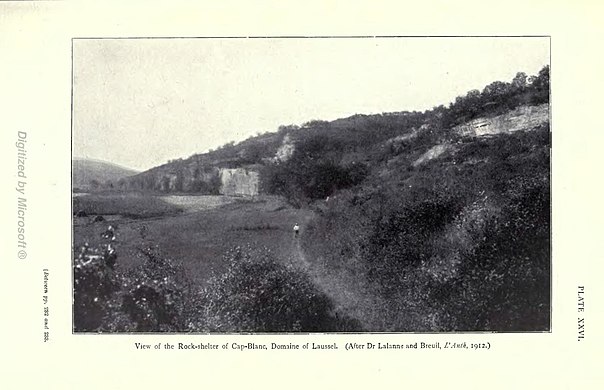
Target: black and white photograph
[[319, 184], [306, 195]]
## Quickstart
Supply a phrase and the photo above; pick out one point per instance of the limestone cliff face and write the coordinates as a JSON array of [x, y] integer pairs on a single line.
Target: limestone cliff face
[[192, 178], [239, 182], [522, 118], [286, 150]]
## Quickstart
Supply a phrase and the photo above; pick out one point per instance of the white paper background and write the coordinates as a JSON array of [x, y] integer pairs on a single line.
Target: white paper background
[[35, 72]]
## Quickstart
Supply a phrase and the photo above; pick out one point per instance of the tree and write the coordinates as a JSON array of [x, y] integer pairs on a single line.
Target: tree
[[288, 128], [541, 83], [541, 86], [316, 124], [165, 184], [473, 102], [495, 89], [179, 181], [519, 81]]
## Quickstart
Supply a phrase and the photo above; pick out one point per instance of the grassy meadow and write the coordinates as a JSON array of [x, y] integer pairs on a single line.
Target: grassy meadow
[[197, 238], [131, 205], [235, 266]]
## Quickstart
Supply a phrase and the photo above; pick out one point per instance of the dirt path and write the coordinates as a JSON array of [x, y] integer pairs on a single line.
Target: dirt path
[[349, 296]]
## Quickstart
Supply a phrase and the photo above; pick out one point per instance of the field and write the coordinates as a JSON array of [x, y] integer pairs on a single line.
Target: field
[[124, 205], [216, 265], [193, 230]]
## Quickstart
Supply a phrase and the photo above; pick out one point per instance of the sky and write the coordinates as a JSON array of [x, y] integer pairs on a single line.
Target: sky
[[141, 102]]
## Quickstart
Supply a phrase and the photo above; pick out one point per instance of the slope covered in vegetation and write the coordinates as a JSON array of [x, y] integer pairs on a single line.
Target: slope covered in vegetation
[[443, 229], [93, 174]]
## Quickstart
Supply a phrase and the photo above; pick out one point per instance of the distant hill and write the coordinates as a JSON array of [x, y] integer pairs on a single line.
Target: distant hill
[[88, 173], [315, 159]]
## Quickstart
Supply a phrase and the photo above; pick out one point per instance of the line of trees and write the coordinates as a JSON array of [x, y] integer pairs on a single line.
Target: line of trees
[[497, 98], [330, 156]]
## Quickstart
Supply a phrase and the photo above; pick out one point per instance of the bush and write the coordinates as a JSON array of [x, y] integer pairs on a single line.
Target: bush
[[149, 298], [155, 295], [259, 294], [504, 285], [402, 239], [255, 294], [95, 286]]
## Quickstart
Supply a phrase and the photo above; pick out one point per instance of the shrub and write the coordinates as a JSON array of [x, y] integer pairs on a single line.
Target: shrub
[[256, 294], [259, 294], [505, 283], [95, 286], [154, 295], [148, 298], [402, 239]]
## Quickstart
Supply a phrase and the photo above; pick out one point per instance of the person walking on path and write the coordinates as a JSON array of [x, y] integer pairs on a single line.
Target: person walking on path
[[296, 230]]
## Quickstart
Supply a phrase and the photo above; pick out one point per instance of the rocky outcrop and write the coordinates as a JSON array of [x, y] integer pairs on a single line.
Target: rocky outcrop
[[239, 182], [286, 150], [191, 177], [433, 153], [522, 118]]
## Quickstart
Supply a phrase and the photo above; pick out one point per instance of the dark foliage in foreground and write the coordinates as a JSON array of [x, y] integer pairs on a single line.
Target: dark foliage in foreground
[[256, 294], [151, 297]]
